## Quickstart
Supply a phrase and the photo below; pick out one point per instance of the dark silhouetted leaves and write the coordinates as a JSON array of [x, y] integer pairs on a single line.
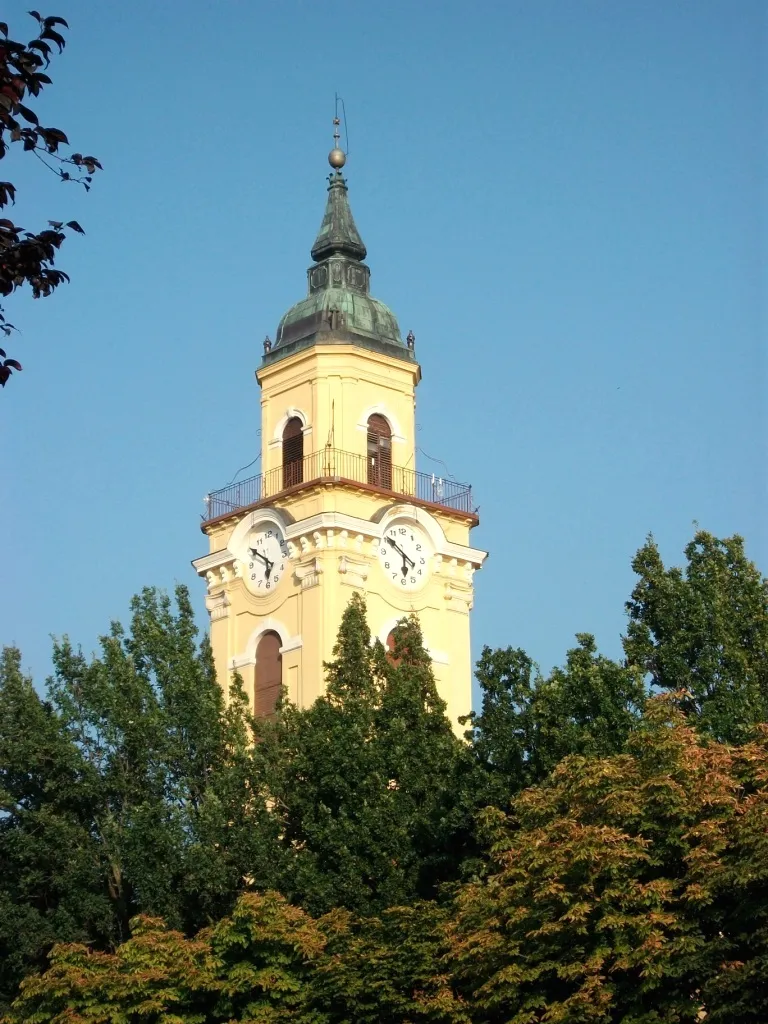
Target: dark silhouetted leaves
[[26, 258]]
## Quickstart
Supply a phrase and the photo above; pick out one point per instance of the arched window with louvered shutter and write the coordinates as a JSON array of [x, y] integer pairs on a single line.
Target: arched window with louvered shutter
[[389, 647], [293, 452], [269, 675], [379, 452]]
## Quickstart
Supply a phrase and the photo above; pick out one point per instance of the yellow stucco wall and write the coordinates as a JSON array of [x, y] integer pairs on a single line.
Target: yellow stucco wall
[[333, 389], [334, 534]]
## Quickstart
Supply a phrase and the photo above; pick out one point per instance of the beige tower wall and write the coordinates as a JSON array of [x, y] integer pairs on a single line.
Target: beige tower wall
[[334, 533]]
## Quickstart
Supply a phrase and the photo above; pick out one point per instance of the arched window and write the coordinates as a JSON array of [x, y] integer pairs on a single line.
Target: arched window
[[379, 452], [293, 452], [269, 675]]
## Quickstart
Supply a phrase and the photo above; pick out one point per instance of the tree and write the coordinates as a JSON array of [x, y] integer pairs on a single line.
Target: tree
[[529, 723], [267, 961], [627, 888], [704, 629], [252, 966], [51, 878], [129, 790], [26, 257], [365, 782]]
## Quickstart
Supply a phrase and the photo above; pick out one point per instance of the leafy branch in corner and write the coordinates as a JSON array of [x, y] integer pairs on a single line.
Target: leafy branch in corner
[[27, 257]]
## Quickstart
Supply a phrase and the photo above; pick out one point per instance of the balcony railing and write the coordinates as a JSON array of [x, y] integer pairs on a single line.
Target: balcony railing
[[334, 466]]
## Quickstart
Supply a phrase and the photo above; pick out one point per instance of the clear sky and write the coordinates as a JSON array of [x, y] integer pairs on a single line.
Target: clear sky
[[565, 201]]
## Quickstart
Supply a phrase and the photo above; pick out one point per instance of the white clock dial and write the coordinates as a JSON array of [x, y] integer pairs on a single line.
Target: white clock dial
[[266, 558], [405, 554]]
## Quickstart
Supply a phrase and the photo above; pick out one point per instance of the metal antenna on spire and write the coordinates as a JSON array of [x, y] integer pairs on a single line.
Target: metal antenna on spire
[[337, 157]]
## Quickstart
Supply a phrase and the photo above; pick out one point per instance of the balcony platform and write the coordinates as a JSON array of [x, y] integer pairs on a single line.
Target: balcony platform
[[333, 467]]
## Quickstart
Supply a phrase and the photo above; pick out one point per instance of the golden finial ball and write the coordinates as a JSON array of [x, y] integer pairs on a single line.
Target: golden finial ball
[[337, 158]]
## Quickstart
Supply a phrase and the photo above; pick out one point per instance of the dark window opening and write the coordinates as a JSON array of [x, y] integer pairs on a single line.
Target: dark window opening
[[390, 649], [379, 452], [293, 452], [269, 675]]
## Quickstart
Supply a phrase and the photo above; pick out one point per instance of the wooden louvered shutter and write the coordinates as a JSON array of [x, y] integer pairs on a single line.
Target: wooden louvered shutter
[[293, 452], [379, 452], [269, 675]]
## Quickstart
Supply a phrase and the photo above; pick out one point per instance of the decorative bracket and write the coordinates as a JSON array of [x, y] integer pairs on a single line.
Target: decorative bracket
[[217, 605], [354, 571], [308, 573]]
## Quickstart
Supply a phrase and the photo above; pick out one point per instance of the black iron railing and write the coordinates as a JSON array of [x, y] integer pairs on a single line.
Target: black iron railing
[[331, 465]]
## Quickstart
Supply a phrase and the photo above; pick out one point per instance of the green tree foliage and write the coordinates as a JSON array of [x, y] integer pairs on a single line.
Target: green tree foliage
[[27, 258], [366, 783], [51, 876], [253, 966], [128, 790], [527, 723], [629, 888], [619, 872], [704, 629]]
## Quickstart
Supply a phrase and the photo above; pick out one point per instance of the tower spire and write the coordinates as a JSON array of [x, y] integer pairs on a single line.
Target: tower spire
[[338, 234]]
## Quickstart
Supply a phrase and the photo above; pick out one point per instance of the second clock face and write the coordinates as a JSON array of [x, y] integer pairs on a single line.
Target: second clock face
[[267, 558], [404, 554]]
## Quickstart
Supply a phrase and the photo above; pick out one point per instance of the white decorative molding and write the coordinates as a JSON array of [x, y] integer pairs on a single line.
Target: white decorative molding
[[398, 437], [308, 573], [212, 562], [236, 545], [217, 605], [458, 597], [268, 625], [290, 413], [354, 571]]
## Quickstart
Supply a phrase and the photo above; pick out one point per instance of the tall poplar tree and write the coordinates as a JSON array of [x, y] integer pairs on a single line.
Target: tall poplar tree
[[366, 782], [703, 628], [129, 789]]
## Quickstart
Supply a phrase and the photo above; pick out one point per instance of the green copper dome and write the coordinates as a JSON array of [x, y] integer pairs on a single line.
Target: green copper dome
[[338, 308]]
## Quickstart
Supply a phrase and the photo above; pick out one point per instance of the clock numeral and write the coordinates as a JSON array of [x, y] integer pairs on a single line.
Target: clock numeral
[[260, 582], [419, 571], [387, 565], [403, 581], [253, 575], [421, 561], [413, 579], [383, 551], [282, 569], [268, 584], [275, 579], [402, 531], [250, 566], [269, 533], [394, 575], [418, 546]]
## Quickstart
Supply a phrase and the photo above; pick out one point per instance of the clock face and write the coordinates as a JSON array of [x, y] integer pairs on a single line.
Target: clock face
[[405, 554], [266, 558]]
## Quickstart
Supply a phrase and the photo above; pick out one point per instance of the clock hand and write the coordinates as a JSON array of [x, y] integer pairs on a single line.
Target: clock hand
[[268, 566], [401, 552]]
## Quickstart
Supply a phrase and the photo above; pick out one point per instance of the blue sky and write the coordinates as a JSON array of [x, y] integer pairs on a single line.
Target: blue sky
[[564, 200]]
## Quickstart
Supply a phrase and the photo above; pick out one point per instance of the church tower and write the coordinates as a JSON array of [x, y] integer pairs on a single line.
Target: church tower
[[339, 505]]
